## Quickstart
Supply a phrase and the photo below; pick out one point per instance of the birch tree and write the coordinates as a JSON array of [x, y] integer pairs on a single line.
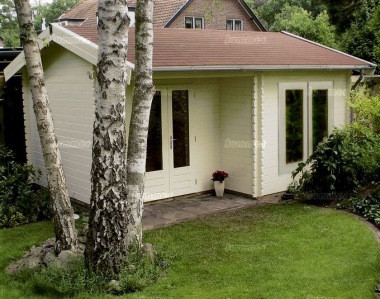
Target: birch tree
[[63, 216], [138, 129], [117, 183], [106, 240]]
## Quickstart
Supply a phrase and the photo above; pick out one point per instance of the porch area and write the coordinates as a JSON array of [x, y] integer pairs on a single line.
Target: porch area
[[169, 212]]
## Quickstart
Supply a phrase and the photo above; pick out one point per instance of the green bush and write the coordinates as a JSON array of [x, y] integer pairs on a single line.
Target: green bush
[[366, 109], [345, 160], [21, 201], [367, 206]]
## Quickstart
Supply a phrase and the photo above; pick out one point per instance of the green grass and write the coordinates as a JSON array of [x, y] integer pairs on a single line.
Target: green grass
[[283, 251], [13, 242]]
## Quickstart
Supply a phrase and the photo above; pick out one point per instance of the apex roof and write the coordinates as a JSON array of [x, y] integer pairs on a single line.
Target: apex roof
[[86, 11], [165, 11], [184, 49]]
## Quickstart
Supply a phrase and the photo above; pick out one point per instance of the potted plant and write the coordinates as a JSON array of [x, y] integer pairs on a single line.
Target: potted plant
[[218, 177]]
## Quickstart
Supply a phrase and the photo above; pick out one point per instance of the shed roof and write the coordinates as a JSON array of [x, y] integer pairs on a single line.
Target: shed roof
[[216, 49]]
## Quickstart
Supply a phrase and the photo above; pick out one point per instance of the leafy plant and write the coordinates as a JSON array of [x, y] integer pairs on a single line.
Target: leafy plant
[[345, 160], [366, 109], [21, 201], [367, 206]]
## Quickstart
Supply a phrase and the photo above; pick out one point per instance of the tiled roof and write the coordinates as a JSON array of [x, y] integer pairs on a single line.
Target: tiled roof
[[216, 48], [163, 11], [83, 10]]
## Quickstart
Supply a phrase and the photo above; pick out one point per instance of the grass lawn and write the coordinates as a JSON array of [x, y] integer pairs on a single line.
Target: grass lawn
[[282, 251]]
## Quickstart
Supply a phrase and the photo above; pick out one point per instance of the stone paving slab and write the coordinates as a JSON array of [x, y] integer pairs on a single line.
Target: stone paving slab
[[165, 213]]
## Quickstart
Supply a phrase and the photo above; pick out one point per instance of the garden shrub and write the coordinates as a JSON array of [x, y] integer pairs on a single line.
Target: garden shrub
[[366, 109], [21, 201], [347, 159], [367, 206]]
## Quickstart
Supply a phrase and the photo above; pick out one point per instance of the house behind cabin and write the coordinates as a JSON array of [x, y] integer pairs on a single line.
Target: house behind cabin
[[193, 14]]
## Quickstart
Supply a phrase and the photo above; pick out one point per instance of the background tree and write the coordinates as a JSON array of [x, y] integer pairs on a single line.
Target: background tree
[[138, 129], [345, 12], [375, 24], [63, 216], [8, 24], [297, 20], [9, 29], [267, 11], [355, 27], [51, 11], [352, 26], [107, 236]]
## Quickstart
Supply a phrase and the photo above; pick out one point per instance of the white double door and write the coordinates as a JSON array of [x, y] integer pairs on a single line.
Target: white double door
[[168, 168]]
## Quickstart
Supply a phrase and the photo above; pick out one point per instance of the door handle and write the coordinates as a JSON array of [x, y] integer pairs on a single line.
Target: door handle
[[171, 142]]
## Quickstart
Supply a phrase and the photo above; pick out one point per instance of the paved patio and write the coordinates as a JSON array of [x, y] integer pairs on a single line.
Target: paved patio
[[169, 212]]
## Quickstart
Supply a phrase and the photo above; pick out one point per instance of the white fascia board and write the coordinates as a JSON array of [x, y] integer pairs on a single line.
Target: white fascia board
[[14, 66], [368, 69], [74, 43], [19, 62], [68, 40]]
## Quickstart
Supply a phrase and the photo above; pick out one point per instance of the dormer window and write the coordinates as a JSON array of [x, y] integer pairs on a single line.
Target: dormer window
[[194, 22], [234, 24]]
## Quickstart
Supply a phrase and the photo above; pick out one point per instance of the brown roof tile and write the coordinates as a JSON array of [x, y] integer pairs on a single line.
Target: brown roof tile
[[163, 11], [83, 10], [216, 48]]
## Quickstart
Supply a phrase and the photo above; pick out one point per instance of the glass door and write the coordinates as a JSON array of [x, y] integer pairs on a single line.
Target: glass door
[[168, 164], [179, 130]]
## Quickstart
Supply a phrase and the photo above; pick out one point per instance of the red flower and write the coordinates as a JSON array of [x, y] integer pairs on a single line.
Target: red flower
[[219, 175]]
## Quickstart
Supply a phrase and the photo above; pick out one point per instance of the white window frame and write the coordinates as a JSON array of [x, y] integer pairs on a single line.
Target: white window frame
[[193, 22], [234, 25], [307, 87], [330, 107]]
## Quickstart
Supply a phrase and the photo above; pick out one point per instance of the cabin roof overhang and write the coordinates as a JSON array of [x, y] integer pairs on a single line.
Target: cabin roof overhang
[[69, 40]]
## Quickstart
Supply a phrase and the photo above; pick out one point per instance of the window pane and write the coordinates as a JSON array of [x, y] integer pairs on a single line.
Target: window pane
[[154, 147], [198, 23], [230, 25], [294, 125], [188, 22], [320, 116], [238, 25], [180, 112]]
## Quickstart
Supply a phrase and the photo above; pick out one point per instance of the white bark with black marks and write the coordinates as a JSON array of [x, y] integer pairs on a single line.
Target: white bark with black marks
[[107, 237], [139, 125], [64, 224]]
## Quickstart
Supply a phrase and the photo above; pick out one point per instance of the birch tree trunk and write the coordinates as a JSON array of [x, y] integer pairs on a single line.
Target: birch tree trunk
[[106, 241], [139, 125], [64, 224]]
